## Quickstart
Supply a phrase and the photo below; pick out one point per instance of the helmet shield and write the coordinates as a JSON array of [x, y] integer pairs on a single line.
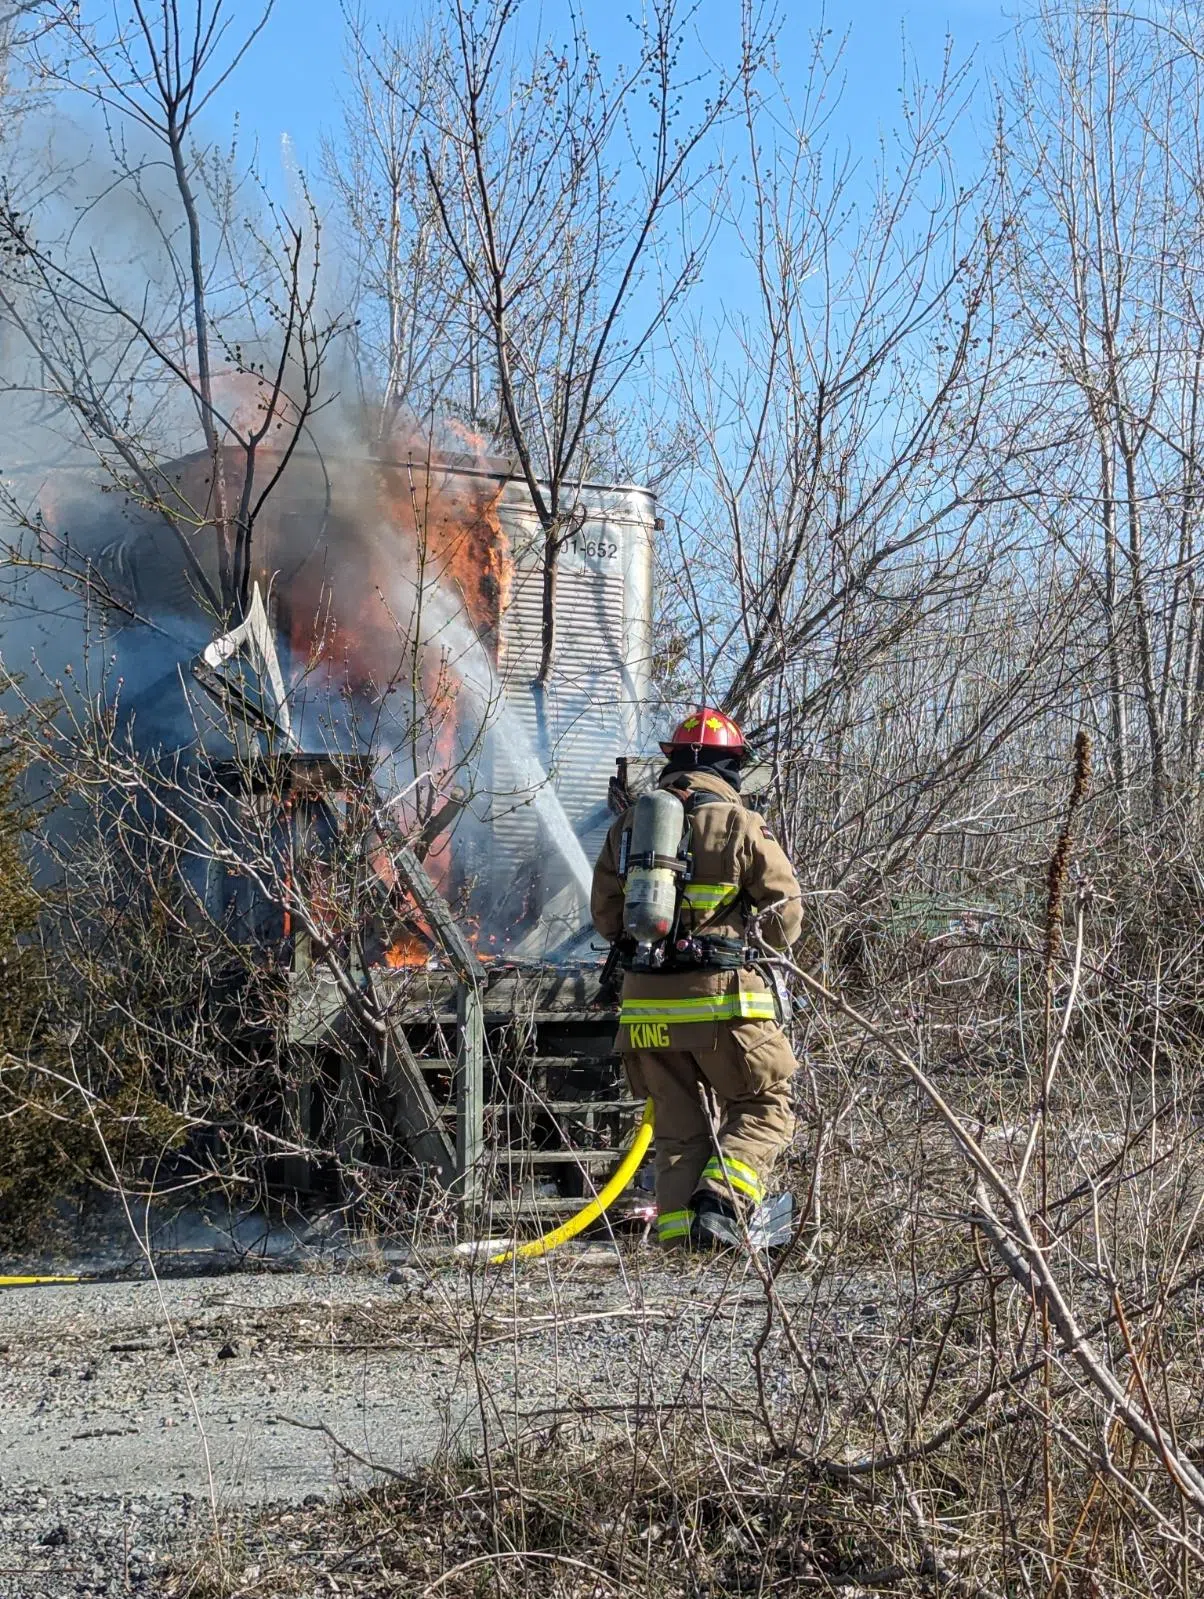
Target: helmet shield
[[707, 729]]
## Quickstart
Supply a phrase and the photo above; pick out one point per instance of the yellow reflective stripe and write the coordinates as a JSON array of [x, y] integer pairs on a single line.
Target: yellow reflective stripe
[[755, 1007], [728, 1163], [719, 1164], [752, 1190], [673, 1223], [741, 1006], [671, 1007], [741, 1177], [709, 896], [658, 1013]]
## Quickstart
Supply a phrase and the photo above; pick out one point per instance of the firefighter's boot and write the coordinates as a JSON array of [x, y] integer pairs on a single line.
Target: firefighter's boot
[[715, 1224]]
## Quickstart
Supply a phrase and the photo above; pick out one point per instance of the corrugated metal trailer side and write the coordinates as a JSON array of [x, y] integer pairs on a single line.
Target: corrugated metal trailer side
[[592, 707]]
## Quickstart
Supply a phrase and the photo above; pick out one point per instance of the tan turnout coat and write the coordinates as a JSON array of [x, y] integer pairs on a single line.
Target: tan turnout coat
[[738, 869]]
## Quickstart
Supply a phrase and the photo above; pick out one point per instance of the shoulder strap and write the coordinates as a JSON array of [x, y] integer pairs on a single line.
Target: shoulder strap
[[624, 845], [692, 798]]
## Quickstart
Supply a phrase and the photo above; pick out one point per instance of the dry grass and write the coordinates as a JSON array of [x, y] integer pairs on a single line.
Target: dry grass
[[892, 1414], [651, 1513]]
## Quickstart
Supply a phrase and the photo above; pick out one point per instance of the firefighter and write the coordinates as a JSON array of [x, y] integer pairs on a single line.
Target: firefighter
[[695, 1016]]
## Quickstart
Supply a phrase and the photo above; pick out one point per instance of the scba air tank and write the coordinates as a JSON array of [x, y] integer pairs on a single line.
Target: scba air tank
[[653, 869]]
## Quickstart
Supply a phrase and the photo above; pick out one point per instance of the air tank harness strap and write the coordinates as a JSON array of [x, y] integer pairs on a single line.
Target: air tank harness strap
[[655, 862], [693, 953]]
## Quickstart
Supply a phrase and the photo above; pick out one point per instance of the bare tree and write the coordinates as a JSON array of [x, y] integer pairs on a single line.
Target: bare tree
[[1101, 156], [219, 333], [416, 346], [851, 570], [557, 189]]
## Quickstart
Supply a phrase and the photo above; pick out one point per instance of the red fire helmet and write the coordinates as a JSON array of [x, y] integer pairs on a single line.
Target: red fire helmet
[[706, 728]]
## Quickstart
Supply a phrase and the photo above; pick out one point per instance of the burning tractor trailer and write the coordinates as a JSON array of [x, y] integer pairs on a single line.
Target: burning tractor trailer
[[397, 769]]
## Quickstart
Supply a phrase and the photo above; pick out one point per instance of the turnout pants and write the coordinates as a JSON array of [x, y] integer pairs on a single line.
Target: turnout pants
[[748, 1068]]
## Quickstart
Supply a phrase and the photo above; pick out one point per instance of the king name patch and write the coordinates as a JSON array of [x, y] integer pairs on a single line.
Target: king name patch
[[649, 1035]]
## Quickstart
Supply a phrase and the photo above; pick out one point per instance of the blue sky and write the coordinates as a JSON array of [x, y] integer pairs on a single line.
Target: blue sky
[[292, 79], [290, 82]]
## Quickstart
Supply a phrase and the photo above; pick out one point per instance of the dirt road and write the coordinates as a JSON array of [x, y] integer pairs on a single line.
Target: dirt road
[[129, 1409]]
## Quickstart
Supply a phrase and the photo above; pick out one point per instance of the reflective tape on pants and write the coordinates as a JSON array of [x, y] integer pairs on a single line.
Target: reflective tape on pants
[[673, 1224], [742, 1179]]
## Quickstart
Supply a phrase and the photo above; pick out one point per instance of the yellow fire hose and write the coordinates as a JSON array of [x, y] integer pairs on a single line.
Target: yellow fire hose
[[596, 1207], [33, 1282]]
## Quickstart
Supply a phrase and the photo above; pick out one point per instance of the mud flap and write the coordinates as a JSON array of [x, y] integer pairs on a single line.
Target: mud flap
[[772, 1222]]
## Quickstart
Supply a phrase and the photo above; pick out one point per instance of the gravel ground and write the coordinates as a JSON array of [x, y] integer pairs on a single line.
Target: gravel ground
[[129, 1409]]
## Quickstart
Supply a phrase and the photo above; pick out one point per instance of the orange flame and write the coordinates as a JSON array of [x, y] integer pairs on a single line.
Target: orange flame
[[407, 951], [331, 543]]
